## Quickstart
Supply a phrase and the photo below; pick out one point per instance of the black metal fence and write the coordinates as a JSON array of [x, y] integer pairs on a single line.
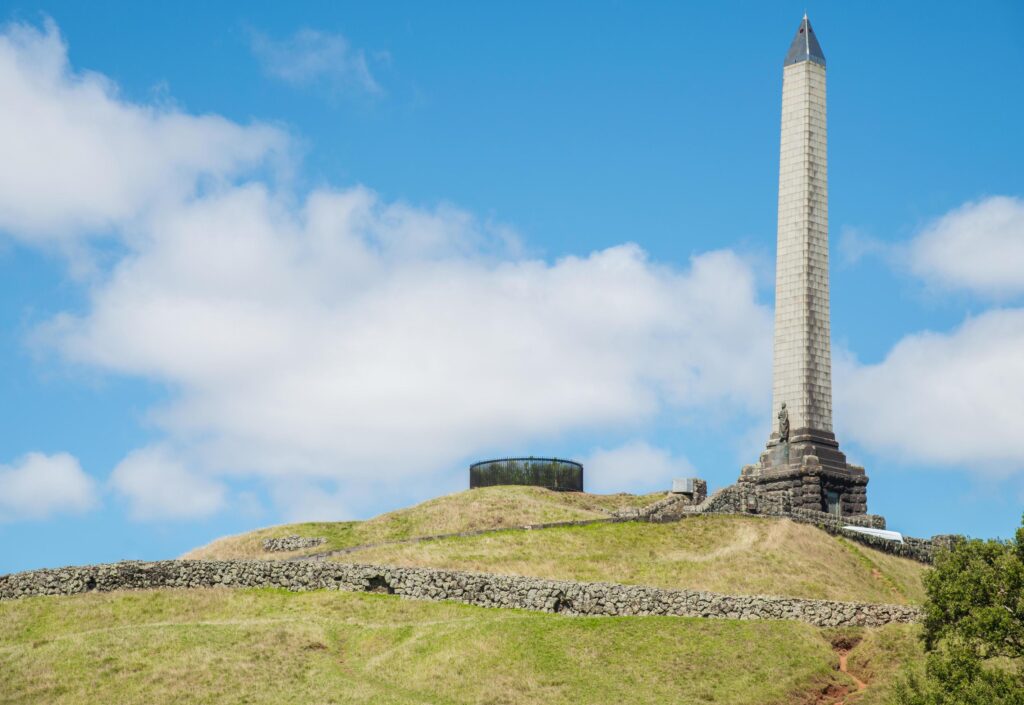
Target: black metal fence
[[553, 473]]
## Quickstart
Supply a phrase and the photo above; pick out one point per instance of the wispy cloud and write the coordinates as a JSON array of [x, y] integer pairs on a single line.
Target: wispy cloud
[[637, 465], [77, 159], [335, 340], [978, 247], [950, 398], [313, 58], [39, 486], [854, 245], [159, 486]]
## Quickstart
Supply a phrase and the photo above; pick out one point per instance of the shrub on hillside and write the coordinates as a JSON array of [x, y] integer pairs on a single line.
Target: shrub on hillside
[[973, 627]]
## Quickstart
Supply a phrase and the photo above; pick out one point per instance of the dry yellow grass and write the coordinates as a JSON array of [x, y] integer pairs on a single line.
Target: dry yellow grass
[[472, 510], [728, 554]]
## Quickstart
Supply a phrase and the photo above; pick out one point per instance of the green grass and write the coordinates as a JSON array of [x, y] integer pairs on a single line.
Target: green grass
[[728, 554], [881, 658], [484, 508], [269, 646]]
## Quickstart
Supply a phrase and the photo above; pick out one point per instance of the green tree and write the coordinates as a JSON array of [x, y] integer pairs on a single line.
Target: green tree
[[973, 627]]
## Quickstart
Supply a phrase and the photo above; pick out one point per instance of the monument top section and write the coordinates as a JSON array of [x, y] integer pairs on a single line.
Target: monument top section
[[805, 46]]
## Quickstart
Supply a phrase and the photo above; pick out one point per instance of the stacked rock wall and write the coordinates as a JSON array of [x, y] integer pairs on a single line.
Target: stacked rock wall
[[747, 498], [292, 543], [671, 508], [466, 534], [810, 516], [743, 498], [481, 589]]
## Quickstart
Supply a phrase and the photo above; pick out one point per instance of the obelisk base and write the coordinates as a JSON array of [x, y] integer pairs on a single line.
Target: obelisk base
[[809, 472]]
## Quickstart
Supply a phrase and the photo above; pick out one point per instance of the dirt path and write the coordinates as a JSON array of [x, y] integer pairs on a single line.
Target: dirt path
[[835, 693], [861, 685]]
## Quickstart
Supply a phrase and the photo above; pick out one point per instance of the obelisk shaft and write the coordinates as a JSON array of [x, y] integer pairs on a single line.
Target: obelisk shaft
[[802, 368], [803, 467]]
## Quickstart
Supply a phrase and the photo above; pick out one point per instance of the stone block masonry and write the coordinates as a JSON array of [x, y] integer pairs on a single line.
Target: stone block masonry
[[802, 359], [802, 463], [480, 589]]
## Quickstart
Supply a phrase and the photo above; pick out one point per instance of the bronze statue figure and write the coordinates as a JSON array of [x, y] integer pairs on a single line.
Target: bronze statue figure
[[784, 424]]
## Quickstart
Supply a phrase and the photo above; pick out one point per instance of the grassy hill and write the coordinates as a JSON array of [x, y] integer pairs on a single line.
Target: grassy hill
[[730, 554], [484, 508], [269, 646]]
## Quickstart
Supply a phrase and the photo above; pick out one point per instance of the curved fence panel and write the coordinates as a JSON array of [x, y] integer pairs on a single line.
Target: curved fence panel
[[552, 473]]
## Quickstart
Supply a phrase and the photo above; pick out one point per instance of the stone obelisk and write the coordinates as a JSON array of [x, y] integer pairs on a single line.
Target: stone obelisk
[[802, 462]]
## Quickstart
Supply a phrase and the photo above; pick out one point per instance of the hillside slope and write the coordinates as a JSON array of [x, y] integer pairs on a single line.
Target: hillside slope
[[271, 646], [719, 553], [267, 646], [484, 508]]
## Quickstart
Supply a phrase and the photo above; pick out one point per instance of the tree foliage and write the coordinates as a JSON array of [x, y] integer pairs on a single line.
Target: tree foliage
[[973, 627]]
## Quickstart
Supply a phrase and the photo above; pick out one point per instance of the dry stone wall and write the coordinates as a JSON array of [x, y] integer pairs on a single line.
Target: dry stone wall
[[481, 589], [734, 499], [459, 534], [671, 508], [742, 498], [292, 543], [921, 550], [813, 516]]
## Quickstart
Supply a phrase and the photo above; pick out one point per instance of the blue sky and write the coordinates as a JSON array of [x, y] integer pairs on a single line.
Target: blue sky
[[262, 263]]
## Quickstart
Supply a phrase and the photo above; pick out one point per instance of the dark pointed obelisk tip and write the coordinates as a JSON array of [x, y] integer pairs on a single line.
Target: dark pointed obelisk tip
[[805, 46]]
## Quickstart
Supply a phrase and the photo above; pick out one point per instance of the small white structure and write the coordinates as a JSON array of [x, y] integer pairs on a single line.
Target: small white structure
[[880, 533], [683, 486]]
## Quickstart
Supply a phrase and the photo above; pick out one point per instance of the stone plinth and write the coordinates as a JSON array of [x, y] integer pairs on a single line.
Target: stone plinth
[[805, 475]]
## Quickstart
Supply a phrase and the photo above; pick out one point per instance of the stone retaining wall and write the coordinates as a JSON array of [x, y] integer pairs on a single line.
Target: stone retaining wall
[[819, 518], [292, 543], [921, 550], [728, 500], [458, 535], [481, 589], [739, 499], [743, 499], [671, 508]]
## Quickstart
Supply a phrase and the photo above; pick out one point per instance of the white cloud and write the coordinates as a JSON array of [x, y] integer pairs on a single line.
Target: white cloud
[[636, 465], [308, 501], [950, 398], [338, 340], [854, 245], [39, 486], [78, 158], [158, 486], [310, 57], [370, 341], [978, 247]]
